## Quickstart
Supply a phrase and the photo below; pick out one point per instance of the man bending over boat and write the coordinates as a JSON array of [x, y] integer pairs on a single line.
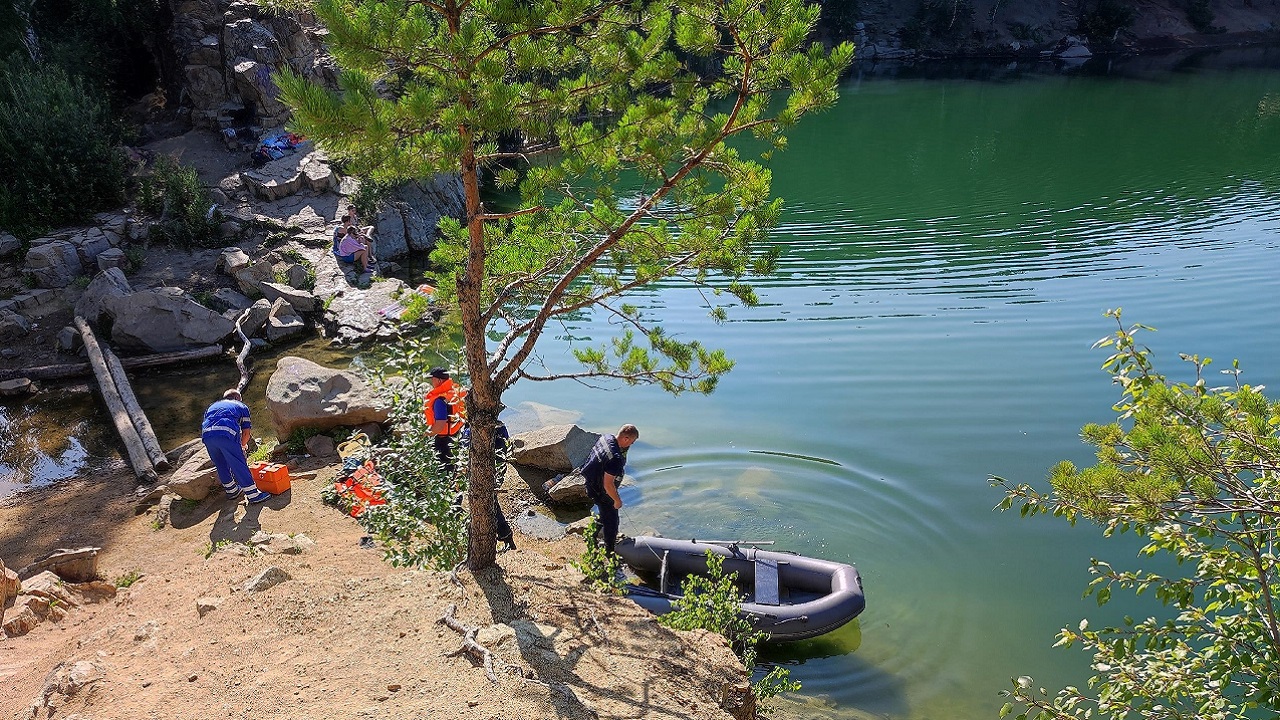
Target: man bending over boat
[[603, 472]]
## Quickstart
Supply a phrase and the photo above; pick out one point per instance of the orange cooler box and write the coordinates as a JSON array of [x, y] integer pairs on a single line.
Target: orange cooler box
[[270, 477]]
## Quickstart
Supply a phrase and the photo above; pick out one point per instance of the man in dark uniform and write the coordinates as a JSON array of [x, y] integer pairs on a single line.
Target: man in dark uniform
[[603, 471]]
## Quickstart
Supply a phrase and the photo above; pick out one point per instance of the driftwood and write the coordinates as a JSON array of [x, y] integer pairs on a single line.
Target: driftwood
[[139, 419], [137, 454], [66, 370], [470, 646], [244, 353]]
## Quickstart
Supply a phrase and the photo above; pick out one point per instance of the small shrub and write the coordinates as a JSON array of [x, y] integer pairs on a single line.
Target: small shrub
[[296, 443], [421, 525], [263, 451], [414, 308], [128, 579], [599, 565], [134, 257], [186, 214]]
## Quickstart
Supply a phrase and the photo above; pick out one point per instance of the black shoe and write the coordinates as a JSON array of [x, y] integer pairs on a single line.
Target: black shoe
[[507, 544]]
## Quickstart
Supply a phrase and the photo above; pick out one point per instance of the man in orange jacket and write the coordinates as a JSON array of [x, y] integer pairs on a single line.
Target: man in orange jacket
[[445, 411]]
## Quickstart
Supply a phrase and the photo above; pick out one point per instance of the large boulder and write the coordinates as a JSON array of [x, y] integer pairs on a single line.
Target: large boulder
[[411, 214], [164, 320], [53, 265], [301, 393], [559, 447], [108, 284]]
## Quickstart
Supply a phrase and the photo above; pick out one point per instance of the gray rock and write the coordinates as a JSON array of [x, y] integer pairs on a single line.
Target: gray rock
[[283, 321], [321, 446], [301, 393], [112, 257], [283, 328], [164, 320], [35, 298], [53, 265], [17, 387], [227, 299], [206, 605], [568, 489], [195, 478], [559, 447], [92, 243], [303, 170], [301, 300], [251, 277], [257, 318], [13, 325], [298, 277], [411, 215], [9, 244], [268, 578], [79, 565], [232, 260], [69, 340], [109, 283]]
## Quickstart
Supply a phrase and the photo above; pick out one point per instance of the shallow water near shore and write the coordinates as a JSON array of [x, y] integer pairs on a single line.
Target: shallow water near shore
[[949, 248]]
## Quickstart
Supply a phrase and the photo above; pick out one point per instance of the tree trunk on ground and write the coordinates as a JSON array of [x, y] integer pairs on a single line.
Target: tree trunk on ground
[[56, 372], [136, 453], [139, 419]]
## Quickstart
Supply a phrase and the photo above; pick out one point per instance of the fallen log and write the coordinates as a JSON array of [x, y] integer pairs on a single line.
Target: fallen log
[[137, 454], [66, 370], [139, 419]]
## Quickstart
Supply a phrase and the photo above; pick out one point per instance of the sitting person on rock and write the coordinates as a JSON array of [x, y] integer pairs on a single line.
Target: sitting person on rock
[[340, 231], [354, 249]]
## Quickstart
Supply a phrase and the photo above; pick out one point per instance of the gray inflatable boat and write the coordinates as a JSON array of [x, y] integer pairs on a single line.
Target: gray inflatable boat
[[790, 597]]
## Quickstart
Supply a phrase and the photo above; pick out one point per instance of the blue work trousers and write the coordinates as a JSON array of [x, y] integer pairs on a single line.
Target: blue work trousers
[[228, 457]]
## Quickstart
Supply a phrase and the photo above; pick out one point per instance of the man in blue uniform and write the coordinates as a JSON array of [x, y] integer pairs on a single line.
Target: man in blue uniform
[[603, 471], [225, 432]]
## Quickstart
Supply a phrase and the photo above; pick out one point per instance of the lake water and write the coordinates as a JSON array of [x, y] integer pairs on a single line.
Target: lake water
[[950, 247]]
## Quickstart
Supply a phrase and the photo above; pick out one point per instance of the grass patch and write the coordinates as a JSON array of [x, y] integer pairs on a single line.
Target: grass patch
[[128, 579]]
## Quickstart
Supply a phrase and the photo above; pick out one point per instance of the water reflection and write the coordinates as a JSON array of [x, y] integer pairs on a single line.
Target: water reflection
[[37, 452]]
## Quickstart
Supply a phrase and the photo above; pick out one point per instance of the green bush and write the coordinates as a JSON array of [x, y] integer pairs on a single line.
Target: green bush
[[185, 214], [58, 146]]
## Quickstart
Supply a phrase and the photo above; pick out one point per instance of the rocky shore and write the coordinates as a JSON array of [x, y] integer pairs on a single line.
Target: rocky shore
[[283, 611]]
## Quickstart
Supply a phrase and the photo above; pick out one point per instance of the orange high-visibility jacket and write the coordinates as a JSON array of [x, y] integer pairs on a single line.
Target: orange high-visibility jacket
[[456, 397]]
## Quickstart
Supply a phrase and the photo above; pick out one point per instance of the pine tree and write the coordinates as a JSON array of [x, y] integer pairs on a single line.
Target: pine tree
[[615, 121]]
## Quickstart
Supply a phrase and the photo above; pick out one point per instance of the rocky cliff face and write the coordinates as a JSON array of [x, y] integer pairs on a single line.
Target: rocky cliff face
[[228, 52]]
